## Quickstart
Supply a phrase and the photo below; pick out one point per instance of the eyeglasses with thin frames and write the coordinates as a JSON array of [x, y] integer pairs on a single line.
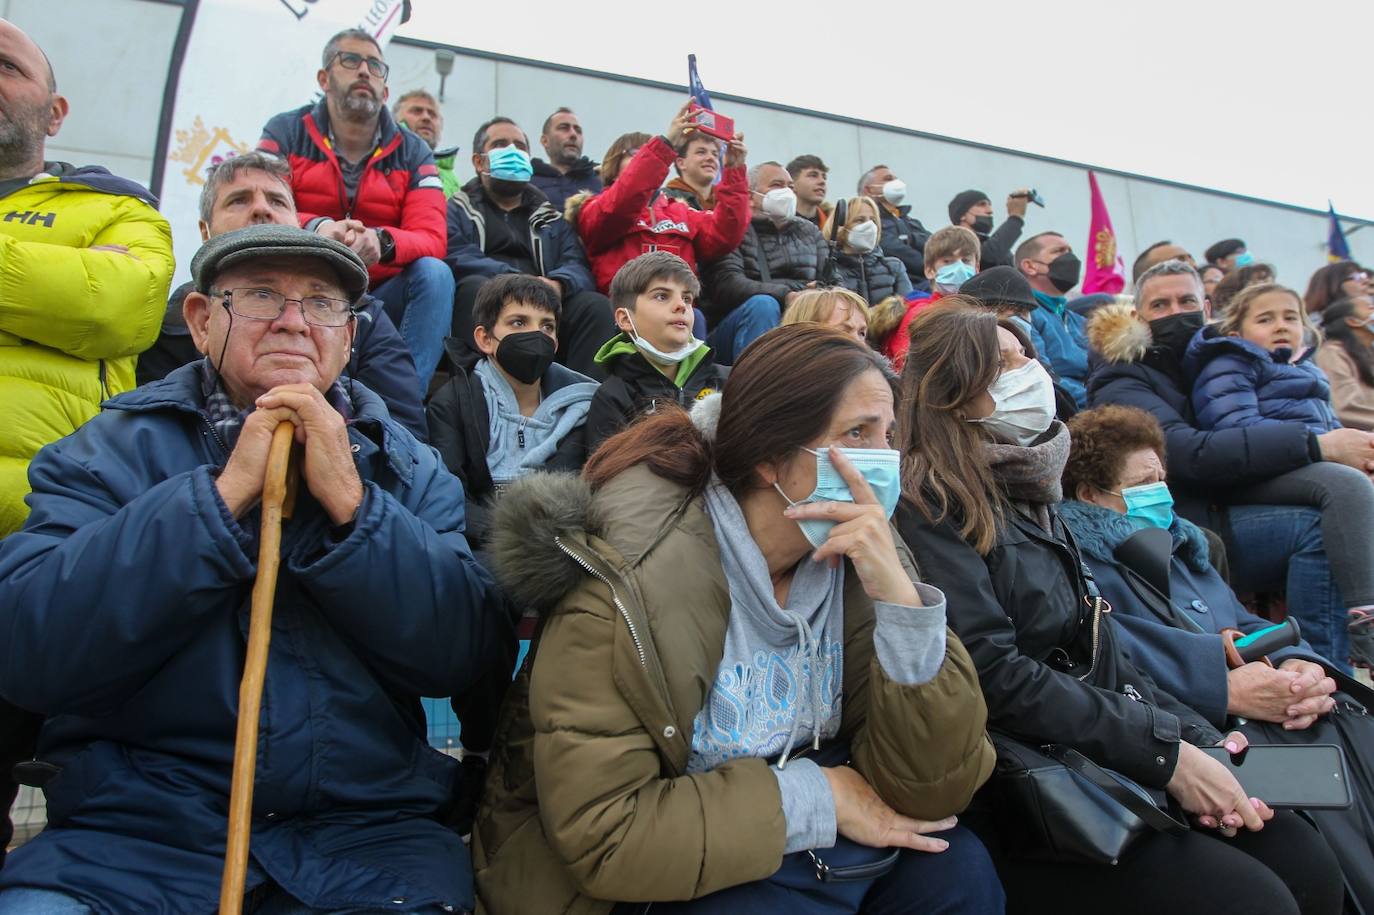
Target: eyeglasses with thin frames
[[268, 305], [351, 61]]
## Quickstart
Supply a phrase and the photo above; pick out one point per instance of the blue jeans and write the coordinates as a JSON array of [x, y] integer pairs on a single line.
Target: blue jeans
[[32, 901], [1280, 548], [960, 880], [745, 323], [419, 300]]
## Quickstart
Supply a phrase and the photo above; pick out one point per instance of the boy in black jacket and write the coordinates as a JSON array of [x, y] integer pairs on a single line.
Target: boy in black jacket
[[509, 408], [654, 359]]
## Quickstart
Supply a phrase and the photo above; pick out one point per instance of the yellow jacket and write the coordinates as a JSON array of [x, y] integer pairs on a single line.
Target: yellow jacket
[[72, 320]]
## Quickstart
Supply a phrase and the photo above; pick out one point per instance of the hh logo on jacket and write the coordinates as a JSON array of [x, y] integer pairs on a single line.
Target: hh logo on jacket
[[31, 217]]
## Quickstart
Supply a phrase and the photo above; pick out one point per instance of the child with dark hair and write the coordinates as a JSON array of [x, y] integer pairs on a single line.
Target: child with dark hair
[[654, 359], [509, 409]]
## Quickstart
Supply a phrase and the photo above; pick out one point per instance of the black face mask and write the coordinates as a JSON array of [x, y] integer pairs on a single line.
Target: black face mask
[[1064, 271], [526, 355], [982, 225], [1174, 332]]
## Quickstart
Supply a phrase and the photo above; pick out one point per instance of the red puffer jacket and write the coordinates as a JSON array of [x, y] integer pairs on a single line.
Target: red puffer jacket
[[400, 190], [632, 217]]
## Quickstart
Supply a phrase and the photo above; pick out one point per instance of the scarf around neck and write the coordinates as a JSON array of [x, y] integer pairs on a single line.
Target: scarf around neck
[[1030, 475]]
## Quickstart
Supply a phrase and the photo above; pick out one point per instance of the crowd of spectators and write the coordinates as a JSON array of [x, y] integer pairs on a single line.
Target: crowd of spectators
[[802, 507]]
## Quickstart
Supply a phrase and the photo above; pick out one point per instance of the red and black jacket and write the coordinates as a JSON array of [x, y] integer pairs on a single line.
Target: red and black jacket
[[400, 190]]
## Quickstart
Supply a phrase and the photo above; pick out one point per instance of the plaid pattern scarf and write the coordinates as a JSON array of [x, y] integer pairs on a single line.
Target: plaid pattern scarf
[[227, 419]]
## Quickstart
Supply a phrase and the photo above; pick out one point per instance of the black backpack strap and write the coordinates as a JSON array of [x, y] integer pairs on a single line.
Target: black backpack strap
[[1141, 806]]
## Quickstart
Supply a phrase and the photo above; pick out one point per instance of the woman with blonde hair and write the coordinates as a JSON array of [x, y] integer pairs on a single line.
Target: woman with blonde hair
[[859, 265], [831, 307]]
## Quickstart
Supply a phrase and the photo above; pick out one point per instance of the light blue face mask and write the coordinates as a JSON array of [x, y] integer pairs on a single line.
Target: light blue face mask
[[951, 276], [881, 467], [1244, 259], [509, 163], [1150, 504]]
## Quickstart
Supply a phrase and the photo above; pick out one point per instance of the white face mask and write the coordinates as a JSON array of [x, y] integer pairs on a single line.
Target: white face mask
[[1024, 401], [863, 237], [653, 352], [894, 191], [780, 204]]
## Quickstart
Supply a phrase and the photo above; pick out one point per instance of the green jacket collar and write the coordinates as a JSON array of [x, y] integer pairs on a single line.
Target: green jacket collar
[[623, 345]]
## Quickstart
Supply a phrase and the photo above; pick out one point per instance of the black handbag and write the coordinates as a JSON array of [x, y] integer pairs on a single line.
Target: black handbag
[[1055, 804]]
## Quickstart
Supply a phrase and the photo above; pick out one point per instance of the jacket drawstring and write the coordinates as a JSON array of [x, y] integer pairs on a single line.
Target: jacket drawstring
[[809, 648]]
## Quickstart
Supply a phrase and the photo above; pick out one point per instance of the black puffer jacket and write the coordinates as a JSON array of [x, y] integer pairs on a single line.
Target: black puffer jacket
[[1050, 662], [905, 239], [772, 260], [871, 275]]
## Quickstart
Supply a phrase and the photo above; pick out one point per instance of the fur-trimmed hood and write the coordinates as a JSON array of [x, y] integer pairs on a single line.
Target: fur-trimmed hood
[[573, 206], [1118, 335], [1099, 531], [526, 523]]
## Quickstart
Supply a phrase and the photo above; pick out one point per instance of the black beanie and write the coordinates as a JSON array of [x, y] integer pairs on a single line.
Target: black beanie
[[962, 203], [999, 286]]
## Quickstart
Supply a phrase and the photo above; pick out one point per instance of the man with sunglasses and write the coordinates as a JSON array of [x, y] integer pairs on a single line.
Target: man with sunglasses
[[138, 561], [359, 178]]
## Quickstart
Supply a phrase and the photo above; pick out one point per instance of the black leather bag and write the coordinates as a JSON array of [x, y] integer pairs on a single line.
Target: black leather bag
[[1055, 804]]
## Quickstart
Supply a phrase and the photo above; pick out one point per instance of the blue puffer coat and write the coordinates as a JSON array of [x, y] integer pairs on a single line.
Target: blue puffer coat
[[1189, 664], [1236, 383], [124, 604]]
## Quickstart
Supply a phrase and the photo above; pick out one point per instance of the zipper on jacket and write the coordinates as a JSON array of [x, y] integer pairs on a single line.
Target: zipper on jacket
[[214, 433], [615, 596], [520, 432], [1096, 603]]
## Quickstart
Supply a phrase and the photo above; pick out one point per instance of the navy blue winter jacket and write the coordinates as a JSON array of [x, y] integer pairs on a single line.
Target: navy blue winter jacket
[[557, 251], [124, 607], [1236, 383], [1187, 664], [1203, 464]]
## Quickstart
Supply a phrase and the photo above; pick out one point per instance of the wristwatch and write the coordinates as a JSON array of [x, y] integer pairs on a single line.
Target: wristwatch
[[387, 244]]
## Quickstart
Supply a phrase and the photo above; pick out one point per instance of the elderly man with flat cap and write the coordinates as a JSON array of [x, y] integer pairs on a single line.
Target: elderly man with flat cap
[[125, 605]]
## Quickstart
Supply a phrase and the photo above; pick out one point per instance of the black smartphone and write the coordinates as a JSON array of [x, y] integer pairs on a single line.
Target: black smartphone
[[1311, 776]]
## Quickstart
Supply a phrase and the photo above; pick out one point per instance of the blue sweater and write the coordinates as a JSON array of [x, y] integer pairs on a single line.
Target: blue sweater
[[1236, 383]]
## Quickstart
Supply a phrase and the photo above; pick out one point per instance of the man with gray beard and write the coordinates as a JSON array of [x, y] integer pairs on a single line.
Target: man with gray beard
[[359, 178]]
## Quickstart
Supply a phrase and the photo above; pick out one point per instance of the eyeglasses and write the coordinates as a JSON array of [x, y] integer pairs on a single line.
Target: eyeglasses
[[351, 61], [1359, 276], [266, 305]]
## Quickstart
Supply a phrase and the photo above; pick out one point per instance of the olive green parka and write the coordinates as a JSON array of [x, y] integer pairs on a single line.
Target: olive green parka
[[588, 798]]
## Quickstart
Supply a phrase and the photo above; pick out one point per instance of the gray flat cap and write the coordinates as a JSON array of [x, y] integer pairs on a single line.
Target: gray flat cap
[[254, 242]]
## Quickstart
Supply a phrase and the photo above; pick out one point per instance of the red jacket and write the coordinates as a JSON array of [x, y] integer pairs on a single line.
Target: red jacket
[[632, 217], [400, 189], [899, 341]]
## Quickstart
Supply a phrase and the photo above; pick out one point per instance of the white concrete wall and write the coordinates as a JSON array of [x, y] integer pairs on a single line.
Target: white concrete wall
[[111, 58]]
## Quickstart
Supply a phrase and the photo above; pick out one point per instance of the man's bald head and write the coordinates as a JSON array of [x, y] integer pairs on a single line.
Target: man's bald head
[[30, 108], [38, 61]]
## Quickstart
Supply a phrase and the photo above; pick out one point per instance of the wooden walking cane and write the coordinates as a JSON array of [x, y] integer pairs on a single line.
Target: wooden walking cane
[[278, 499]]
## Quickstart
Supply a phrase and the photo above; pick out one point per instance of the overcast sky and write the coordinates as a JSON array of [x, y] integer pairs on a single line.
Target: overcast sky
[[1261, 98]]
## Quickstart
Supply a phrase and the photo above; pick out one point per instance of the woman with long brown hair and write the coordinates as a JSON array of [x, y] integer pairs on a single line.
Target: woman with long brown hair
[[982, 457], [739, 691]]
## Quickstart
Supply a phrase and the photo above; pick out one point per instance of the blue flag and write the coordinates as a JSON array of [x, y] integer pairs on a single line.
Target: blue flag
[[1337, 249], [694, 86]]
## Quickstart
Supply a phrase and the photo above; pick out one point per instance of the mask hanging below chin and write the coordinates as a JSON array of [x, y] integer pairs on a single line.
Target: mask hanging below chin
[[676, 357]]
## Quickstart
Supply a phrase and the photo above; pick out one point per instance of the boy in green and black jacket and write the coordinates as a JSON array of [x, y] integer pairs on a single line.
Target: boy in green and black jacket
[[654, 359]]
